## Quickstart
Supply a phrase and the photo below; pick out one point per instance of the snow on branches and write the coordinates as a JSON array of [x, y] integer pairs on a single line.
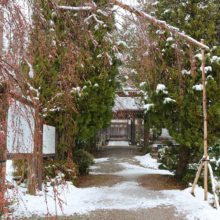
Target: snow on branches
[[83, 8], [160, 23]]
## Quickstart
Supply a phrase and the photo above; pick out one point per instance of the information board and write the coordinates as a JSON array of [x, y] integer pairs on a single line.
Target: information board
[[20, 128], [49, 139]]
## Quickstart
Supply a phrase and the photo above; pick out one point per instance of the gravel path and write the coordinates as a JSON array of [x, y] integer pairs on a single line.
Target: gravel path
[[102, 174], [116, 156]]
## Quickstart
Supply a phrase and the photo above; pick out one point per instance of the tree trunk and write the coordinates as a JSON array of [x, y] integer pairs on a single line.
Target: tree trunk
[[183, 162], [3, 142]]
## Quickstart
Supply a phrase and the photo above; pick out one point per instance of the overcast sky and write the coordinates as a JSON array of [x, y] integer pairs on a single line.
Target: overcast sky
[[122, 13]]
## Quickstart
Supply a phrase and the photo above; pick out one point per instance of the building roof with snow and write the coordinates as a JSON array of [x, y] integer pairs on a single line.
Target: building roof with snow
[[127, 104]]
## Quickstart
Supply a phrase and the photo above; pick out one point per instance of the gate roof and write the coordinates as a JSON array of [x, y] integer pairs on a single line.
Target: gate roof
[[127, 104], [128, 107]]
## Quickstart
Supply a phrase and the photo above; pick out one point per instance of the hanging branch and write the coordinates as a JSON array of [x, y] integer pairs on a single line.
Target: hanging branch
[[160, 23], [144, 15]]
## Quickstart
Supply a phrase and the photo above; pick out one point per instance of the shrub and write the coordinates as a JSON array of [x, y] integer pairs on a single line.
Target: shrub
[[145, 150], [169, 157], [162, 167], [89, 144], [67, 168], [51, 169], [190, 177], [83, 159]]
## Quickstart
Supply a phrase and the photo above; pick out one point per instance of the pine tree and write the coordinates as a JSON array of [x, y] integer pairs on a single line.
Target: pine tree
[[174, 86], [75, 68]]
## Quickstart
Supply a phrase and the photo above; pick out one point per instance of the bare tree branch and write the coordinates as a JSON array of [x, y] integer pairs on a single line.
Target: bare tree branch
[[160, 23]]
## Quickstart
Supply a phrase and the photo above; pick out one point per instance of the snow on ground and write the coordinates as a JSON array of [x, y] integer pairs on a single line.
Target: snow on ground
[[118, 143], [147, 161], [83, 200], [135, 170], [99, 160], [192, 207], [126, 195], [94, 167], [9, 171], [130, 169]]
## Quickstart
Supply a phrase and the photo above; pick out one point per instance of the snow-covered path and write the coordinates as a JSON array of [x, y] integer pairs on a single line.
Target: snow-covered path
[[125, 196]]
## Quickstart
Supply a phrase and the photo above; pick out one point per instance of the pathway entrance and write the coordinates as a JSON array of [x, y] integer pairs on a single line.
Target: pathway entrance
[[123, 184], [117, 166]]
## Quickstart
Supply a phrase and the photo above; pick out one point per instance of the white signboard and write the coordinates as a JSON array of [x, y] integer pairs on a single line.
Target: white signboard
[[49, 137], [20, 128]]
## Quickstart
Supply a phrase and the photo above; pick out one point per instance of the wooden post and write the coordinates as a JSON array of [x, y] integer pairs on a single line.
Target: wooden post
[[32, 161], [205, 160], [205, 126], [3, 142], [132, 131], [197, 177]]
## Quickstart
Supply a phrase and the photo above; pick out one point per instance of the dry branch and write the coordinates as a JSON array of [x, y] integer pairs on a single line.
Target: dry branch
[[146, 16], [160, 23]]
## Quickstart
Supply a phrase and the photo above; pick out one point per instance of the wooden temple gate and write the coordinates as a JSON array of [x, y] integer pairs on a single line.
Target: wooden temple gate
[[119, 131], [127, 125]]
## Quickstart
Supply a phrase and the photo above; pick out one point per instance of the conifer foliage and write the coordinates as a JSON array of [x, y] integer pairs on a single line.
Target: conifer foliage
[[75, 68], [175, 85]]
